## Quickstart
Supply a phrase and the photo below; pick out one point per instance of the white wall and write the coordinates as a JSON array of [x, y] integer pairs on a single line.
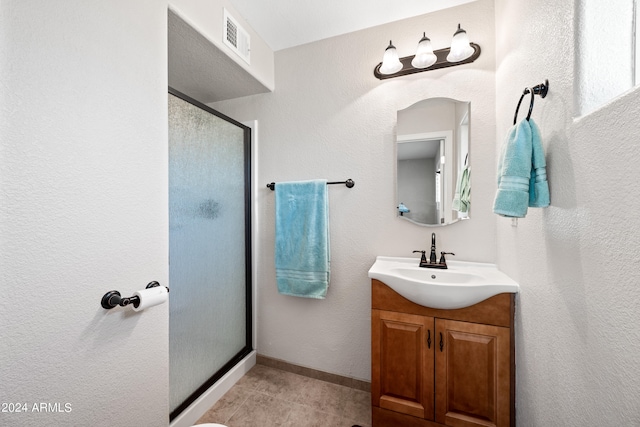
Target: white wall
[[329, 117], [83, 210], [577, 316]]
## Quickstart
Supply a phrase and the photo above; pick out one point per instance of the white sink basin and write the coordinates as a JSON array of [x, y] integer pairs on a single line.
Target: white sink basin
[[461, 285]]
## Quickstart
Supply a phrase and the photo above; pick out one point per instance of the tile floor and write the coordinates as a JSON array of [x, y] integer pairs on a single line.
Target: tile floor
[[267, 397]]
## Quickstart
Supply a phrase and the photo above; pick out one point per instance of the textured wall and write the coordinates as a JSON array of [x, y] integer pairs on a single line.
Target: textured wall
[[83, 190], [329, 117], [578, 321]]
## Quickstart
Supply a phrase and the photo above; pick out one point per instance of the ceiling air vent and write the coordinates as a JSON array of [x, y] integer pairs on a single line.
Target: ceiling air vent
[[236, 37]]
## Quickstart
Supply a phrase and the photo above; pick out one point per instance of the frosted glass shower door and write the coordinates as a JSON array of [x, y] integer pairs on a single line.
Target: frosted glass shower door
[[209, 248]]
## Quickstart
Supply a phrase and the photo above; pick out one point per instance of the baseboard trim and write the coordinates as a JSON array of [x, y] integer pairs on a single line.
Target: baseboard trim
[[313, 373]]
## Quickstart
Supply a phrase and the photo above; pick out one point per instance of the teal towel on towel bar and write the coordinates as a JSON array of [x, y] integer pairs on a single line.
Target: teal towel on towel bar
[[302, 251], [522, 177], [538, 185], [514, 172]]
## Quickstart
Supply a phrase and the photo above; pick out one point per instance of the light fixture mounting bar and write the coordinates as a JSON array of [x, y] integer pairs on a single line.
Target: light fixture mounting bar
[[441, 62]]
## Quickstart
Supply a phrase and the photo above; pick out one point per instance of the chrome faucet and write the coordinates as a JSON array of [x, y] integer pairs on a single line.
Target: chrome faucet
[[433, 263]]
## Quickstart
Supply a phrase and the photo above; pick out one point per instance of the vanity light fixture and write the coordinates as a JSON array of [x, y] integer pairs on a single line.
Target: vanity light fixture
[[390, 62], [424, 54], [460, 47], [425, 59]]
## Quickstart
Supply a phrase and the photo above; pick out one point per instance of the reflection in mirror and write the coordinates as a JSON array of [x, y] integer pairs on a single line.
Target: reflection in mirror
[[433, 174]]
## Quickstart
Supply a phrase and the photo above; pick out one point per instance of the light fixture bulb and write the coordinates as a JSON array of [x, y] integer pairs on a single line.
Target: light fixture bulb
[[460, 47], [390, 61], [424, 54]]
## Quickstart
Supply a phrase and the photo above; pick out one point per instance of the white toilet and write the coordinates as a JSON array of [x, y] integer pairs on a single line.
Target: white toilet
[[209, 425]]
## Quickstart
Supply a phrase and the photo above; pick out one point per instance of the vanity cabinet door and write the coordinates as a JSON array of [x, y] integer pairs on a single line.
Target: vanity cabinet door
[[472, 374], [402, 363]]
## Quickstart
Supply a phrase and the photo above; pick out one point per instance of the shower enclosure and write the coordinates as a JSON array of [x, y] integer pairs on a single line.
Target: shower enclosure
[[209, 248]]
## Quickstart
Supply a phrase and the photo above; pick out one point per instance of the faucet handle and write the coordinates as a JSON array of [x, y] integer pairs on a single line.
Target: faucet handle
[[423, 258], [442, 254]]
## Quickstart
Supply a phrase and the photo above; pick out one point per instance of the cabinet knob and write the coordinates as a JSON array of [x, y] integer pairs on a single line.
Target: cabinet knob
[[441, 342], [428, 338]]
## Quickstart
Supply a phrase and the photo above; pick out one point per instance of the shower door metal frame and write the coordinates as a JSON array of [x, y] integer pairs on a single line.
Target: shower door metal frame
[[248, 347]]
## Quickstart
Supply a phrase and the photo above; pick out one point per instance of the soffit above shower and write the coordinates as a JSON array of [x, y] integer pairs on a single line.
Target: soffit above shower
[[201, 70]]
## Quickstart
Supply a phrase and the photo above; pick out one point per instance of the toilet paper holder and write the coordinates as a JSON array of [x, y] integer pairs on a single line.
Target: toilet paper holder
[[113, 298]]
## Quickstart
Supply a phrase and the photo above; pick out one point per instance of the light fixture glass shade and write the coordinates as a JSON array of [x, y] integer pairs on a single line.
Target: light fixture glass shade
[[424, 54], [460, 47], [390, 61]]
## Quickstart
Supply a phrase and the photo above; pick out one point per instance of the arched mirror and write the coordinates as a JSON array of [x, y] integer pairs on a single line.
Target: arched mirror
[[433, 175]]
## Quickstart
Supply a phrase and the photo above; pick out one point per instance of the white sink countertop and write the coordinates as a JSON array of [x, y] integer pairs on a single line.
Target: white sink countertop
[[462, 284]]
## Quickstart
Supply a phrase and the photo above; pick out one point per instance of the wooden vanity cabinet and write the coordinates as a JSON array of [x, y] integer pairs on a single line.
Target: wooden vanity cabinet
[[434, 367], [403, 363]]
